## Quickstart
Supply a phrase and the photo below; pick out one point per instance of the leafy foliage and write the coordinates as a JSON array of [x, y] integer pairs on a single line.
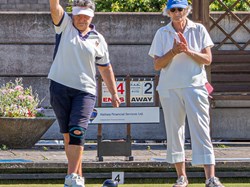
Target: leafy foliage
[[17, 101], [3, 147], [130, 5], [243, 5], [159, 5]]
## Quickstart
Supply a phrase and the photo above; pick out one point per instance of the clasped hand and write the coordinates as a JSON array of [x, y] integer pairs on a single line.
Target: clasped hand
[[180, 46]]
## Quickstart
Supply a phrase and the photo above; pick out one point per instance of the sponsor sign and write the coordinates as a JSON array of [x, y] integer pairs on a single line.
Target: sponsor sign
[[125, 115]]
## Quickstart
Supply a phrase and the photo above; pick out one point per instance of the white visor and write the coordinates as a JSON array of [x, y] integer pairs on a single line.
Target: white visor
[[83, 10]]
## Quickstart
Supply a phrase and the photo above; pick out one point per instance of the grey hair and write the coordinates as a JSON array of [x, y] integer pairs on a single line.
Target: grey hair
[[166, 11], [85, 3]]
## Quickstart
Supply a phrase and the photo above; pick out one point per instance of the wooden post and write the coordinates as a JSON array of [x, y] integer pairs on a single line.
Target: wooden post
[[157, 100], [128, 102], [200, 14], [99, 130], [99, 103], [196, 10]]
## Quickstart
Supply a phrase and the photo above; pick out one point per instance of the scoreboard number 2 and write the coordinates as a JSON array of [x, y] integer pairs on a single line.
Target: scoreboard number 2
[[142, 91], [148, 88]]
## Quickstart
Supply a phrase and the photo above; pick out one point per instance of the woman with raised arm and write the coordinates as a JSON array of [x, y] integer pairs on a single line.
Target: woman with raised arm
[[79, 49]]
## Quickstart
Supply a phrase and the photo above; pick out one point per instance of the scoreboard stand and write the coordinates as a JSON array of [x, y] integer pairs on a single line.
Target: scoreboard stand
[[123, 147], [114, 148]]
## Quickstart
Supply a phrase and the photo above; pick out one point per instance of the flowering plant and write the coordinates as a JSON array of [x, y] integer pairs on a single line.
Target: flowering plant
[[17, 101]]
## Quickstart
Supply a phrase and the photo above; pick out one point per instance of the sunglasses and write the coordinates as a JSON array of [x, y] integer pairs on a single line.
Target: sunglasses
[[174, 9]]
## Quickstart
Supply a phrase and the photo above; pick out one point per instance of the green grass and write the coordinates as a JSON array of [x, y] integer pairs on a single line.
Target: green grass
[[228, 182], [124, 185]]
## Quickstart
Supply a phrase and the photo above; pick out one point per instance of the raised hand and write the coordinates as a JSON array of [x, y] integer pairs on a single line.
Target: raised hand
[[181, 46], [184, 46]]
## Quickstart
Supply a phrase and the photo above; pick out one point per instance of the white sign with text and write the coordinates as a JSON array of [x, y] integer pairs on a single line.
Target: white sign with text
[[125, 115]]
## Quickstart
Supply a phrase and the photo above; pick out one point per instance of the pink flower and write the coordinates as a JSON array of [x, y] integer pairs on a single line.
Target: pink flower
[[17, 101], [11, 90], [30, 98], [19, 88], [21, 97], [4, 91]]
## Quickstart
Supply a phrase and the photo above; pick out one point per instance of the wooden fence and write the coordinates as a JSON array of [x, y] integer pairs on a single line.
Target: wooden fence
[[231, 53]]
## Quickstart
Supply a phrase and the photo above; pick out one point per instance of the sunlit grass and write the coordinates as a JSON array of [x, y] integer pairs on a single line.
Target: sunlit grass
[[194, 182], [123, 185]]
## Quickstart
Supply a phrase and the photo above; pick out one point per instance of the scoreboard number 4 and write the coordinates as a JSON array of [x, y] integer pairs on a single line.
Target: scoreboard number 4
[[120, 88], [140, 91], [118, 176]]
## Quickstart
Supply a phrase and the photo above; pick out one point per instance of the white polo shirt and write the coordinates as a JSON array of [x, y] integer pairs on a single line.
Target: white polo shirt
[[76, 56], [183, 71]]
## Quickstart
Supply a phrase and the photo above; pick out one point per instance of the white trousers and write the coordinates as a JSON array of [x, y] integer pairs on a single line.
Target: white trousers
[[193, 103]]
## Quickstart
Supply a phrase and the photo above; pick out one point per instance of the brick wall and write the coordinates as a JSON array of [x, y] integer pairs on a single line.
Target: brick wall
[[27, 5]]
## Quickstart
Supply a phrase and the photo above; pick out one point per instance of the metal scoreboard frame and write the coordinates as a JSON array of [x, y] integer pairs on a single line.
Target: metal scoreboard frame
[[141, 91], [139, 104]]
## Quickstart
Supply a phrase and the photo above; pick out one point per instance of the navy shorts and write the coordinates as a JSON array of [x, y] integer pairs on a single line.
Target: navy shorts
[[72, 107]]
